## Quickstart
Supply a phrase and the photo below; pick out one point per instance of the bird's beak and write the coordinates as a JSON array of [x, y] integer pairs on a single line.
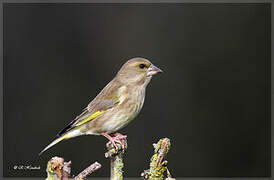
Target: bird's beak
[[152, 70]]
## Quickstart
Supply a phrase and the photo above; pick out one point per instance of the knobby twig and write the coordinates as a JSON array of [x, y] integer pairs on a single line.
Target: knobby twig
[[157, 163], [54, 168], [116, 159], [57, 169]]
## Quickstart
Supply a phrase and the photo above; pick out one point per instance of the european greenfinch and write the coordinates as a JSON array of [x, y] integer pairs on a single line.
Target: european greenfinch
[[115, 106]]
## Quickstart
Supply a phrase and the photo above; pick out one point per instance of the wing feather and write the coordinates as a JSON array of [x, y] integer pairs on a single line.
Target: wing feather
[[105, 100]]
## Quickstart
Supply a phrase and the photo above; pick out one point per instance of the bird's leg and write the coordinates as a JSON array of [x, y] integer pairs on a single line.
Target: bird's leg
[[113, 140]]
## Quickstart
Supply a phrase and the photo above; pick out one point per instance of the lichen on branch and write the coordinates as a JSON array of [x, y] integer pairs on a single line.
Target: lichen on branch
[[158, 166], [116, 159], [58, 169], [55, 168]]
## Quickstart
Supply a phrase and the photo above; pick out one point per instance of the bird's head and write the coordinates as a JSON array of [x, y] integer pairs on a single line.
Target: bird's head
[[137, 70]]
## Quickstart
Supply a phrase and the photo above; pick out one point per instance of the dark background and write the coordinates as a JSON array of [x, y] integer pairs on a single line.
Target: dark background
[[212, 100]]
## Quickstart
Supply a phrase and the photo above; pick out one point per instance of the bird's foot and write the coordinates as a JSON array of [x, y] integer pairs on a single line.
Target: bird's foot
[[118, 138], [113, 141]]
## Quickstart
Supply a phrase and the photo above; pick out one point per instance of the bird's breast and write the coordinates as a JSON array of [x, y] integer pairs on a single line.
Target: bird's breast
[[125, 111]]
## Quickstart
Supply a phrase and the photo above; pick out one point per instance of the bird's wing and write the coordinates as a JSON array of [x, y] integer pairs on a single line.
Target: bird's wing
[[106, 99]]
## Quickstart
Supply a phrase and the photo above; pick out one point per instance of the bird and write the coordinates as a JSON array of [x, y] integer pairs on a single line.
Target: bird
[[115, 106]]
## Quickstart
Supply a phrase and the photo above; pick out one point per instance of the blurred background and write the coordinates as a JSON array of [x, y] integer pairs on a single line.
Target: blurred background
[[212, 101]]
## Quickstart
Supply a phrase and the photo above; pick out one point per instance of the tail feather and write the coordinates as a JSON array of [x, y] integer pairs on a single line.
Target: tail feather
[[59, 139]]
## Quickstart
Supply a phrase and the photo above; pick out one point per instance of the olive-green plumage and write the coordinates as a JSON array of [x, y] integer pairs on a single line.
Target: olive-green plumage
[[116, 105]]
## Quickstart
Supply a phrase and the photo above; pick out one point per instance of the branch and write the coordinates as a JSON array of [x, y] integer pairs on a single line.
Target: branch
[[66, 170], [54, 168], [57, 169], [157, 164], [116, 159], [89, 170]]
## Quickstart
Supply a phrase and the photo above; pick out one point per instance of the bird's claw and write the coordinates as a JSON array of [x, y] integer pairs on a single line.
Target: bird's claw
[[118, 138]]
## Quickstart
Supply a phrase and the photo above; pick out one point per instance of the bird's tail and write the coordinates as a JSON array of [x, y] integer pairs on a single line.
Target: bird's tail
[[67, 135]]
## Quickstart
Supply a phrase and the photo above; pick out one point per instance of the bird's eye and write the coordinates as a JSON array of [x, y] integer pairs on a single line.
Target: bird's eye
[[142, 66]]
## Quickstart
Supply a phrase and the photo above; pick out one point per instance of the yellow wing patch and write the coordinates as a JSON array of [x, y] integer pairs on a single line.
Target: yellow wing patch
[[94, 115]]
